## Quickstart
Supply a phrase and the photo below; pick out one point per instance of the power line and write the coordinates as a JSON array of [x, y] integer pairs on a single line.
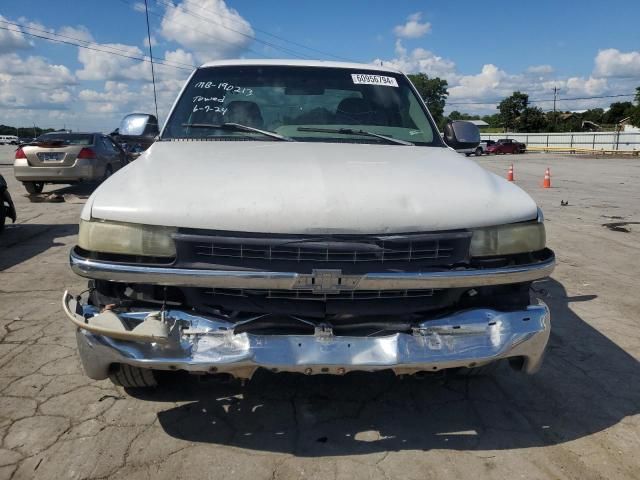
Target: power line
[[86, 42], [208, 34], [210, 20], [75, 44], [548, 100], [273, 35]]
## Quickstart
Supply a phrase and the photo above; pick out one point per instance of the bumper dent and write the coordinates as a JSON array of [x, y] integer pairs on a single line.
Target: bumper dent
[[208, 344]]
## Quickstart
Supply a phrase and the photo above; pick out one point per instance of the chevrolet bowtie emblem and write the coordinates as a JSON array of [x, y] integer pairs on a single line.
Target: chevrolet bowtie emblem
[[326, 281]]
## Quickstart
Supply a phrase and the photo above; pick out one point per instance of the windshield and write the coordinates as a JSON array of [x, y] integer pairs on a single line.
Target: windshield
[[309, 104], [69, 138]]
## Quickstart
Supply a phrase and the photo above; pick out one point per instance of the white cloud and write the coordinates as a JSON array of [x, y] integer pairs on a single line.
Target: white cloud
[[145, 41], [540, 69], [420, 60], [107, 66], [412, 28], [209, 28], [13, 39], [179, 57], [484, 84], [36, 71], [80, 32], [481, 92], [614, 63], [34, 83], [586, 86]]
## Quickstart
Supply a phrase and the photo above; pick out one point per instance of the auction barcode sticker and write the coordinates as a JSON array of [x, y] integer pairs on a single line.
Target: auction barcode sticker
[[367, 79]]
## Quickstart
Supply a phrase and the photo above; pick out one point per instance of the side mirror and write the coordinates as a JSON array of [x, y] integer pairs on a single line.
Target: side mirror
[[459, 134], [139, 125]]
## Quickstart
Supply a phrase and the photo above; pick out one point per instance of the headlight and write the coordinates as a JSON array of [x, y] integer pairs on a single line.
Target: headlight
[[508, 239], [126, 238]]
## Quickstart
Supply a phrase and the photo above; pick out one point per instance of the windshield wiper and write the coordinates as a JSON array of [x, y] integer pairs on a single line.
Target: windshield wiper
[[237, 127], [350, 131]]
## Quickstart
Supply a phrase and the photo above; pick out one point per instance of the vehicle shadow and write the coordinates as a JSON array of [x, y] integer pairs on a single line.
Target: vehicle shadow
[[74, 193], [587, 384], [22, 241]]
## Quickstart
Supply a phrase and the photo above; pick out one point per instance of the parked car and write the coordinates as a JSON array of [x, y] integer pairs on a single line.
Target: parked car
[[506, 145], [307, 217], [8, 139], [7, 208], [482, 147], [67, 158]]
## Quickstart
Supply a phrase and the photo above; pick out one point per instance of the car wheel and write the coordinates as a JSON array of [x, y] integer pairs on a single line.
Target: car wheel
[[108, 171], [33, 188], [132, 377], [478, 152], [467, 154]]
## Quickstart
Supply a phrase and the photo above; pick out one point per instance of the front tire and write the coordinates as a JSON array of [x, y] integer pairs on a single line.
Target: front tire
[[132, 377], [478, 152], [33, 188]]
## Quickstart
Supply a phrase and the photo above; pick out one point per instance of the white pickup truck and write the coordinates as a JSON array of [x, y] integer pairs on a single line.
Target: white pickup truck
[[306, 217]]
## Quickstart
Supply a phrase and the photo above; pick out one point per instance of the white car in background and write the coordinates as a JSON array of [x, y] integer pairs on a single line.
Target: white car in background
[[306, 217], [8, 140], [479, 150]]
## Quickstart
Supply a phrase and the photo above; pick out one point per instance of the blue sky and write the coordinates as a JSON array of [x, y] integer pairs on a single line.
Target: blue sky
[[485, 50]]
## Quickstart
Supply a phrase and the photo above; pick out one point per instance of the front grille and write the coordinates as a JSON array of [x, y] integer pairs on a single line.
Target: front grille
[[309, 295], [302, 253], [306, 303]]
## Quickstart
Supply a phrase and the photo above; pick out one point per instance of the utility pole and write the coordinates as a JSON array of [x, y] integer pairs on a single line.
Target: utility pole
[[555, 97]]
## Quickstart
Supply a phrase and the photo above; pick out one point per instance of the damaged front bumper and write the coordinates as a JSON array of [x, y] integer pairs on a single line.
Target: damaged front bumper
[[177, 340]]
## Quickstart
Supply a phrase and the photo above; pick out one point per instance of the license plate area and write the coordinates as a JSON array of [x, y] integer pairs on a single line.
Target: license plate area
[[50, 156]]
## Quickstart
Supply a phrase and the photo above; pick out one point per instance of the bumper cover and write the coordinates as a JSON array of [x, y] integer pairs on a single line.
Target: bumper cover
[[57, 173], [209, 345]]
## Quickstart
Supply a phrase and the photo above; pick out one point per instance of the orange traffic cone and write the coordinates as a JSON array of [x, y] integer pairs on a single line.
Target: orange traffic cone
[[510, 173], [547, 179]]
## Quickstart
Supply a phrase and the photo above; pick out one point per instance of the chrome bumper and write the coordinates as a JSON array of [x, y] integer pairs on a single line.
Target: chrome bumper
[[209, 345], [169, 276]]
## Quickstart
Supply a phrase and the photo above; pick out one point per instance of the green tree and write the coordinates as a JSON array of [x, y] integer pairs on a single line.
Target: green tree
[[494, 120], [532, 119], [617, 111], [434, 93], [635, 113], [511, 108], [594, 115]]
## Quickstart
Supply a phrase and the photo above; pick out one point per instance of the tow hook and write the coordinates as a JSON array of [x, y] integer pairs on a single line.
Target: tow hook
[[323, 331]]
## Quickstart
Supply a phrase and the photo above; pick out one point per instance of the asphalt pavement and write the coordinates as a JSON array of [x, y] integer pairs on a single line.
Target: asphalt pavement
[[578, 418]]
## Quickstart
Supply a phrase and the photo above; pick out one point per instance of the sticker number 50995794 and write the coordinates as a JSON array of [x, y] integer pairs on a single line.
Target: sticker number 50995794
[[367, 79]]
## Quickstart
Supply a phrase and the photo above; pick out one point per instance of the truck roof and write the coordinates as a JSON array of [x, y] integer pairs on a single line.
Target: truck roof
[[301, 63]]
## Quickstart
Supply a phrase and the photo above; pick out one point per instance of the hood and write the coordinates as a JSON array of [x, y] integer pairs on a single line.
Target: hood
[[303, 187]]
